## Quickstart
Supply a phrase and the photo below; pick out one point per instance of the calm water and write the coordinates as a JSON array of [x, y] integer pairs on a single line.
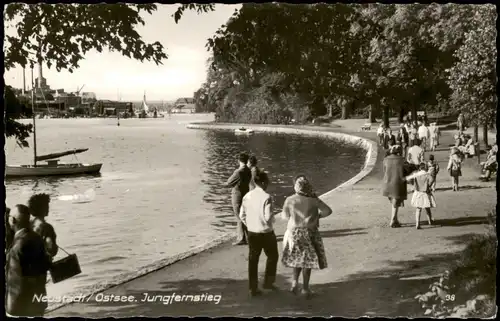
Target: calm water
[[161, 191]]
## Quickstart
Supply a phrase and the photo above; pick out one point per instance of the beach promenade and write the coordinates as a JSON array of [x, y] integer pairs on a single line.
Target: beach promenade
[[373, 270]]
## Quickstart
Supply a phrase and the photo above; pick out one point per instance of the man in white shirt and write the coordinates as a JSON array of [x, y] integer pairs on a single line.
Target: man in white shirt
[[415, 155], [257, 216], [423, 135]]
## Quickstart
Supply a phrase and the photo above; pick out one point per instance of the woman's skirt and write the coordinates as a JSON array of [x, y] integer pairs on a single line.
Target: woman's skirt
[[423, 200], [455, 172], [303, 248]]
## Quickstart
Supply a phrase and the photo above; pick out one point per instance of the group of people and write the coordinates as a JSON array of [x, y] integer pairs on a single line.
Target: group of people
[[303, 248], [30, 248], [411, 167], [410, 134]]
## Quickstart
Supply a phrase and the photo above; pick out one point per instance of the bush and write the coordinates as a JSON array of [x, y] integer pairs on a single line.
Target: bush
[[472, 275]]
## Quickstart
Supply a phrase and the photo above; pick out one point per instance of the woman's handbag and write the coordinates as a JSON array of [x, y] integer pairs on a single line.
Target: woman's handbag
[[64, 268]]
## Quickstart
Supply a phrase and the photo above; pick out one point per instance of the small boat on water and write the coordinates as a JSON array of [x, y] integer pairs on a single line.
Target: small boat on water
[[243, 131], [53, 167]]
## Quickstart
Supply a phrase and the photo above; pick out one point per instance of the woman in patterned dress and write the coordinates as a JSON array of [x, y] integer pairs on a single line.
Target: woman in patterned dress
[[303, 248]]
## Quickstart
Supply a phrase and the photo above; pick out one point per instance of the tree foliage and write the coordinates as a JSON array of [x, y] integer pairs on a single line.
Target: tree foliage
[[14, 109], [342, 58], [473, 78]]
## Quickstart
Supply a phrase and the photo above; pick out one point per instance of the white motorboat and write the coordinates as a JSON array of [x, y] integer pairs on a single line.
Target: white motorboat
[[243, 131], [53, 167]]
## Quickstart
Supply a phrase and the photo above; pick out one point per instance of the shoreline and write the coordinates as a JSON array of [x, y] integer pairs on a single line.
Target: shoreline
[[370, 147]]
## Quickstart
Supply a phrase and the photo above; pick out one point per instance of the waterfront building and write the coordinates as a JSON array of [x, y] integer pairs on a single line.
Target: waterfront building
[[111, 108], [184, 105]]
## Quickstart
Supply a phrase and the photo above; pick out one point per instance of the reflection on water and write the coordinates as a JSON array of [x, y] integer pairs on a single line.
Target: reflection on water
[[161, 190], [283, 157]]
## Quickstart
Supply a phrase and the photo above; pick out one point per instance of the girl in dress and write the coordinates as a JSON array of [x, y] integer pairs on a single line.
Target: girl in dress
[[455, 167], [303, 248], [422, 196]]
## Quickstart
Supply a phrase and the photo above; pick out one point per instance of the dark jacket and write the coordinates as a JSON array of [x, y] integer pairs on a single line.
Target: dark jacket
[[240, 182], [26, 274], [394, 183], [402, 136], [389, 141], [254, 170]]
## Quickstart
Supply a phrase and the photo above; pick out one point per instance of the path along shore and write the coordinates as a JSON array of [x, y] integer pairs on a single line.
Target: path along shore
[[373, 270]]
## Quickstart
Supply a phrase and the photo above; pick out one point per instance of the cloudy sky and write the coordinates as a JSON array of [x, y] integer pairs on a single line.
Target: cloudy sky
[[110, 74]]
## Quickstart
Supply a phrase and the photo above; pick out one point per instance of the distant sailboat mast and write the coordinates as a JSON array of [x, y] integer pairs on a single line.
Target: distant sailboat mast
[[146, 108]]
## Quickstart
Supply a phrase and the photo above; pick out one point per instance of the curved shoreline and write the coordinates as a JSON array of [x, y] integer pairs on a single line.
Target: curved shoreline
[[369, 146]]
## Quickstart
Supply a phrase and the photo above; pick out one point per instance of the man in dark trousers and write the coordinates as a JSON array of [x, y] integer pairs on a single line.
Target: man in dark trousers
[[256, 213], [240, 184], [27, 264]]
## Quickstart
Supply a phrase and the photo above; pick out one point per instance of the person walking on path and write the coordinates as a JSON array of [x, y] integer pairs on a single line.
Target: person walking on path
[[240, 184], [389, 139], [303, 248], [455, 167], [435, 133], [380, 134], [415, 155], [26, 267], [461, 122], [422, 196], [433, 171], [252, 164], [256, 213], [394, 183], [423, 135], [413, 135], [38, 205], [402, 139]]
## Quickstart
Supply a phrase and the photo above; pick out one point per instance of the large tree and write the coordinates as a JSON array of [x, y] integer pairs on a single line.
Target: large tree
[[473, 78], [61, 34]]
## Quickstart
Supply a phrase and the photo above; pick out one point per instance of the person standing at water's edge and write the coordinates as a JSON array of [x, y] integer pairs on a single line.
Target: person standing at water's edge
[[256, 214], [303, 248], [252, 164], [39, 208], [27, 264], [394, 183], [240, 184]]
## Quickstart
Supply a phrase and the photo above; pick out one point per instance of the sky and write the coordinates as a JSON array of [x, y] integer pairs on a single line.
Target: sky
[[113, 76]]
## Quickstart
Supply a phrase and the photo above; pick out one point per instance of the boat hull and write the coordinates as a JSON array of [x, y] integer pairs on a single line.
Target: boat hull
[[243, 132], [47, 170]]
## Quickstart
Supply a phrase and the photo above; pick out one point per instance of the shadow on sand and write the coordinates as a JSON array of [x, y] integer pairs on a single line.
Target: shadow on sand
[[460, 188]]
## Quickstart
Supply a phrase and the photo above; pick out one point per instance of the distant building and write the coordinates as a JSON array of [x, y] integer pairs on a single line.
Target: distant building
[[110, 107], [184, 105]]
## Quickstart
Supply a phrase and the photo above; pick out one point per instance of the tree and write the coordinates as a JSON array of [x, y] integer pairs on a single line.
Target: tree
[[473, 78], [61, 34], [14, 109]]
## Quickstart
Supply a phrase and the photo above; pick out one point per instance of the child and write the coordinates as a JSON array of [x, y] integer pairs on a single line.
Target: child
[[455, 167], [433, 171], [422, 196]]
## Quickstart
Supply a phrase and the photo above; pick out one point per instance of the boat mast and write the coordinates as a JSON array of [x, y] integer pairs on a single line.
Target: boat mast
[[33, 111]]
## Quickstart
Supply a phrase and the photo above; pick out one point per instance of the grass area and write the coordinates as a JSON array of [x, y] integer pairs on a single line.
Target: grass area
[[475, 269], [468, 287]]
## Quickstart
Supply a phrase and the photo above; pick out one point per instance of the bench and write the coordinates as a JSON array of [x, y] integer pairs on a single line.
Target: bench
[[366, 127]]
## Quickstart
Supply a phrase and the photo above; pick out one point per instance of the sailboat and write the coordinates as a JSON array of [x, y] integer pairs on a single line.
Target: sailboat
[[53, 167], [145, 108]]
